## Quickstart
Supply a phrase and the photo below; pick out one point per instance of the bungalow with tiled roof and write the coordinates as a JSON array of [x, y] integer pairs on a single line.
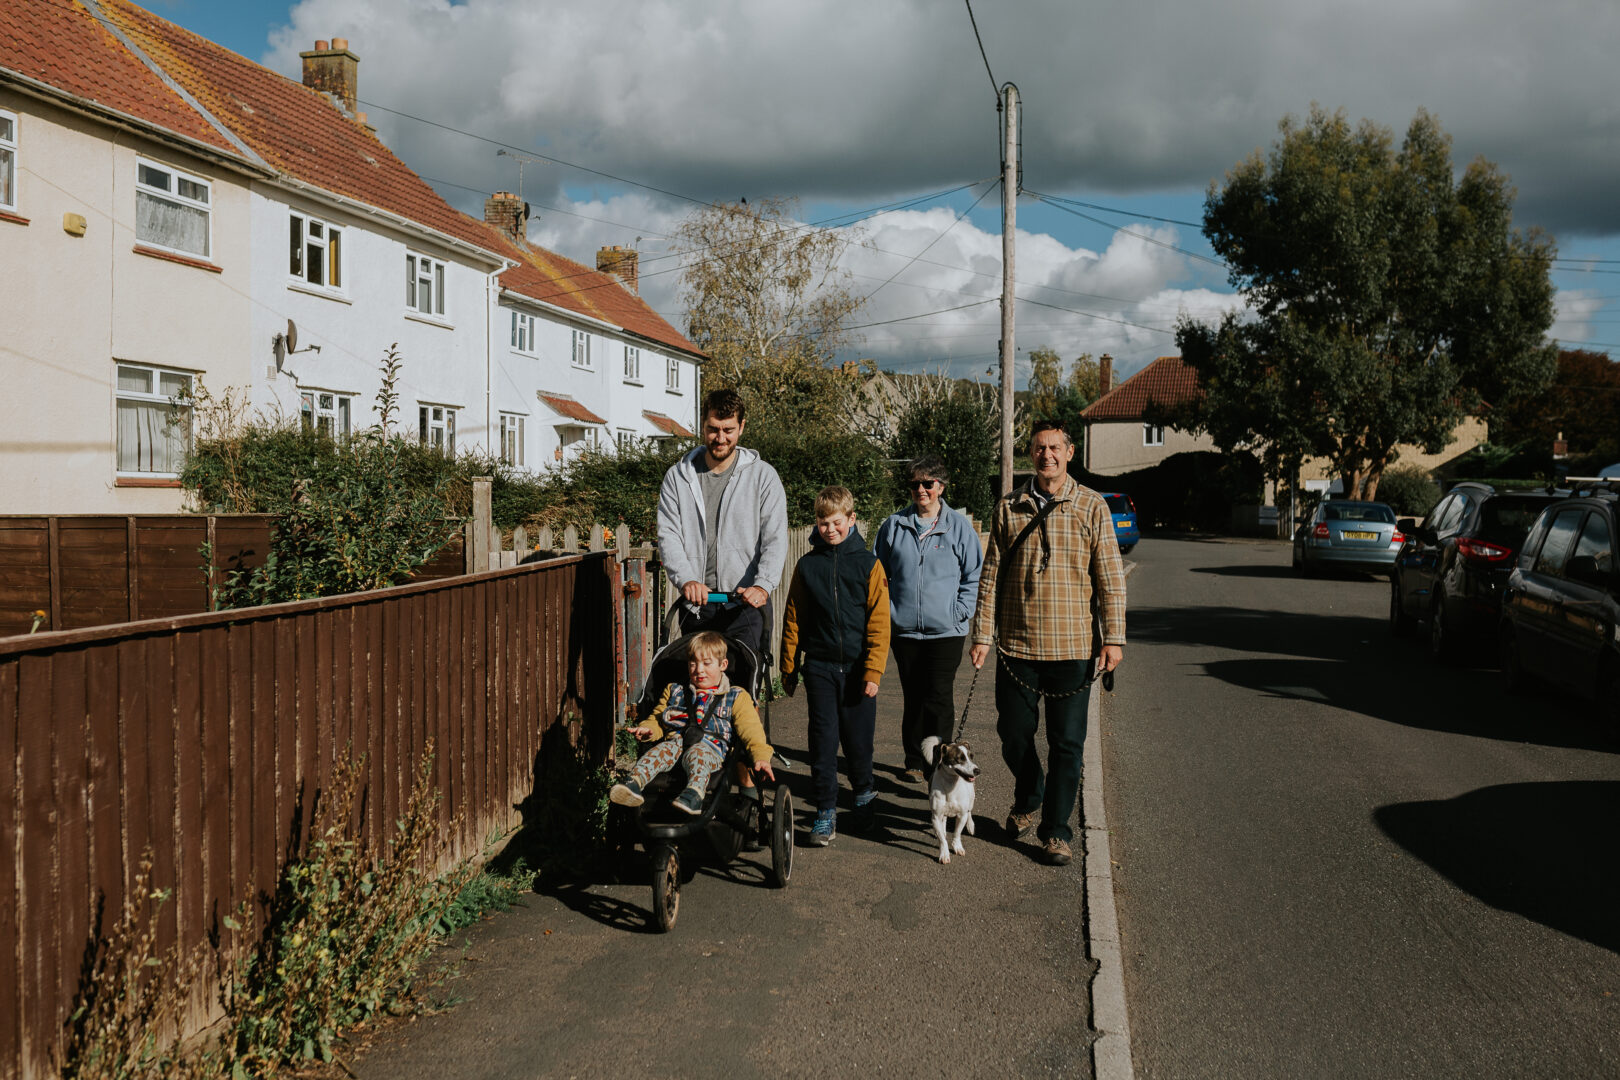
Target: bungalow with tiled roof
[[207, 205], [1119, 436]]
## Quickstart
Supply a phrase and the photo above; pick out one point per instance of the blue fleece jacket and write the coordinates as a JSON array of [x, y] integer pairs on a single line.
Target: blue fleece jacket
[[933, 581]]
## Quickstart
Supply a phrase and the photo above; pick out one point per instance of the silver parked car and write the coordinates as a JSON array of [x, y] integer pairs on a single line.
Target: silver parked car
[[1348, 536]]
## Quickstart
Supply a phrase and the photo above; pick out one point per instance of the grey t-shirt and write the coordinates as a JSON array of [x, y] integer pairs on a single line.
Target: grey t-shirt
[[713, 485]]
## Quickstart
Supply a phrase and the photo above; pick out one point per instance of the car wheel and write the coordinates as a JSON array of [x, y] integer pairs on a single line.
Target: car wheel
[[1127, 549], [1515, 680], [1609, 697], [1441, 648], [1400, 623]]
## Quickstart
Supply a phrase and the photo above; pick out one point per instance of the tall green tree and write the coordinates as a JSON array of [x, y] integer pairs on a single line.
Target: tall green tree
[[1045, 381], [1389, 297]]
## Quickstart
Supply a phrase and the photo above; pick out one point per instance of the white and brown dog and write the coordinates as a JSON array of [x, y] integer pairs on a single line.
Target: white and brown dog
[[950, 791]]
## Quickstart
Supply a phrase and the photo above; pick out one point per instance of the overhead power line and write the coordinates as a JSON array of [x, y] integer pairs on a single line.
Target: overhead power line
[[909, 262], [995, 87]]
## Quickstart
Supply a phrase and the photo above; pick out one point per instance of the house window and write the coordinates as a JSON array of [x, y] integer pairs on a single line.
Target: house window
[[672, 375], [632, 364], [315, 251], [8, 161], [436, 426], [582, 349], [1152, 435], [626, 439], [172, 209], [511, 439], [154, 420], [424, 284], [522, 332], [326, 412]]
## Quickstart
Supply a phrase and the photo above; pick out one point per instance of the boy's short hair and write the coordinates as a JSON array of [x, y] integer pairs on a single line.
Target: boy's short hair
[[724, 404], [834, 500], [708, 644]]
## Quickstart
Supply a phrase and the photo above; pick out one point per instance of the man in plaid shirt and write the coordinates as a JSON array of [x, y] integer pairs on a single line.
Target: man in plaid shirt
[[1036, 606]]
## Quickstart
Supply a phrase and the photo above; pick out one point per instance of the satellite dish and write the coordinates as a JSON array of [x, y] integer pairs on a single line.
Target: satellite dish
[[292, 336]]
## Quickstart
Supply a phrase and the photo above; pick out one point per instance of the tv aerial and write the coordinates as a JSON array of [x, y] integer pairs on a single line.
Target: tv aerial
[[286, 345]]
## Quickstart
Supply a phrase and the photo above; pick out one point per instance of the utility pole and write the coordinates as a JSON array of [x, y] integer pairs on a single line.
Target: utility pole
[[1009, 225]]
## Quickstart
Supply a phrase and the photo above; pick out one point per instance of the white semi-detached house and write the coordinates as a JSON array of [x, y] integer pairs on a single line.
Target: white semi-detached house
[[167, 207]]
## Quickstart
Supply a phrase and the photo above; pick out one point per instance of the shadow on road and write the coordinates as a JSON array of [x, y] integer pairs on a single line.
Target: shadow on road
[[1247, 571], [1286, 633], [1544, 851]]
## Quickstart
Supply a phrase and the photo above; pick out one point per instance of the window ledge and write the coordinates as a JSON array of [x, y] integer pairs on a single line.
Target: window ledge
[[582, 367], [633, 382], [183, 260], [316, 290], [15, 219], [525, 355], [147, 481], [431, 320], [677, 391]]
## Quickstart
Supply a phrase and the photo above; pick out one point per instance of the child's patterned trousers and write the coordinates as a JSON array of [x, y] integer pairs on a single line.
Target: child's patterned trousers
[[700, 761]]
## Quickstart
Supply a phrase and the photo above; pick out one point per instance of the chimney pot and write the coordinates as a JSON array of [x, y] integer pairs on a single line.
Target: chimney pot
[[340, 44], [622, 264], [331, 68], [321, 45]]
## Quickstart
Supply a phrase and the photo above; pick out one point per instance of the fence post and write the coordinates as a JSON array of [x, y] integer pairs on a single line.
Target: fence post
[[595, 542], [481, 516], [520, 541], [571, 540]]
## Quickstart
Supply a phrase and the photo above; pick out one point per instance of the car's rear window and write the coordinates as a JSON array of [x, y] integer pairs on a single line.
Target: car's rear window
[[1506, 519], [1361, 512], [1118, 504]]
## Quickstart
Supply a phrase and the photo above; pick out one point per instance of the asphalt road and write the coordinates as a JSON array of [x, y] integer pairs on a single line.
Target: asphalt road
[[1335, 859], [875, 960]]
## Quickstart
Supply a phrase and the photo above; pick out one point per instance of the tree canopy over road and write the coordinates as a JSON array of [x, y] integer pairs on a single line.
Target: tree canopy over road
[[1389, 297]]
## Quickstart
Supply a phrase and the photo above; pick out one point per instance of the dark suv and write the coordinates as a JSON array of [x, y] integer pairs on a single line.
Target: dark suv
[[1561, 613], [1452, 569]]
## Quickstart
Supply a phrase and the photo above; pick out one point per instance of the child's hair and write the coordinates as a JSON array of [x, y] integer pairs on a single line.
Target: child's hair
[[834, 500], [708, 645]]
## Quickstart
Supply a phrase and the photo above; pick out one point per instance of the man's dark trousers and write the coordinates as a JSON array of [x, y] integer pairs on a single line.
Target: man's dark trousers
[[927, 680], [840, 711], [1055, 792]]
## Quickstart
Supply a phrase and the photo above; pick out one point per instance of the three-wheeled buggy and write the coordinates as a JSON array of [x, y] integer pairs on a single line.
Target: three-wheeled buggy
[[731, 813]]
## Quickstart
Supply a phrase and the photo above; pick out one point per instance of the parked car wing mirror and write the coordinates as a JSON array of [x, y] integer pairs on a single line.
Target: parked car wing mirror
[[1407, 525]]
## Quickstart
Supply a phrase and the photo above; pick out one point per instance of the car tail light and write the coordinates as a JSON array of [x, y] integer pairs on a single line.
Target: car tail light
[[1481, 551], [1397, 537], [1321, 531]]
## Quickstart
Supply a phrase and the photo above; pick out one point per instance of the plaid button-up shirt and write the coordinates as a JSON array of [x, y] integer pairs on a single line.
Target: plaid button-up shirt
[[1044, 611]]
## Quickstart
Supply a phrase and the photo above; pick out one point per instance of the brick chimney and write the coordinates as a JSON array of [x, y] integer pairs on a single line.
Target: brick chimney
[[1105, 374], [622, 264], [332, 69], [509, 215]]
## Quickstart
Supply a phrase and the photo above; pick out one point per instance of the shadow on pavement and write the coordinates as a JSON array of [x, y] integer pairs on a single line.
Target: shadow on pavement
[[1247, 571], [1544, 851], [607, 910]]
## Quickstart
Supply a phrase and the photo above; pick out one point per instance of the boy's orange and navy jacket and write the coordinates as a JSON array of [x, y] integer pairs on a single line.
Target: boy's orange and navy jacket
[[838, 608]]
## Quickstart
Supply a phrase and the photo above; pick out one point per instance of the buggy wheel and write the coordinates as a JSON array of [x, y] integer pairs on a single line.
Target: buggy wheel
[[726, 839], [782, 836], [666, 885]]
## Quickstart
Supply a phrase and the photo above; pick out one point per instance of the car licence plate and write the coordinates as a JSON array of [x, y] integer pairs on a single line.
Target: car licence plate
[[1125, 524], [1359, 535]]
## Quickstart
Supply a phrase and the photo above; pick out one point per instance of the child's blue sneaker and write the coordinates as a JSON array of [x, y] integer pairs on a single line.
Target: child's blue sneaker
[[690, 801], [823, 828], [626, 793], [861, 818]]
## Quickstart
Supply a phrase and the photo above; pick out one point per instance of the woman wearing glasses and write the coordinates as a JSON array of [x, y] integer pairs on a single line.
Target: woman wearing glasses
[[932, 557]]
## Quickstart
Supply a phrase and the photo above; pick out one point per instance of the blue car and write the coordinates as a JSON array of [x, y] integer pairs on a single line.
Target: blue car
[[1124, 514]]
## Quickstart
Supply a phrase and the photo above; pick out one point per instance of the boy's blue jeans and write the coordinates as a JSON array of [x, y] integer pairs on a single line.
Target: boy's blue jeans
[[840, 711], [1055, 791]]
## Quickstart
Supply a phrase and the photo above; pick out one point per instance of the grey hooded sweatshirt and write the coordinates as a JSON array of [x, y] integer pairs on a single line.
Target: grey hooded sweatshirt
[[753, 525]]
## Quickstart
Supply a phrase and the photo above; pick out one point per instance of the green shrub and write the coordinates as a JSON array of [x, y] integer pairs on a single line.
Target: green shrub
[[1409, 489], [962, 430], [809, 460]]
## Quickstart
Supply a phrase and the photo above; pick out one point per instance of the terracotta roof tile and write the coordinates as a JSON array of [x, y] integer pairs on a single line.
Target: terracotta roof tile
[[59, 43], [563, 405], [1166, 381], [547, 276], [667, 424]]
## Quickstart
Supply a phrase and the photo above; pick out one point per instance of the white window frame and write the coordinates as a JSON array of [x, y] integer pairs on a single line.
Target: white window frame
[[8, 163], [420, 269], [436, 426], [334, 406], [632, 364], [512, 439], [1152, 435], [174, 197], [625, 438], [151, 397], [580, 353], [333, 264], [523, 333]]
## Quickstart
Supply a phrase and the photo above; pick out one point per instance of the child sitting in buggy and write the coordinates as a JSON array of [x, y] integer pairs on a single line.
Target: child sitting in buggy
[[694, 725]]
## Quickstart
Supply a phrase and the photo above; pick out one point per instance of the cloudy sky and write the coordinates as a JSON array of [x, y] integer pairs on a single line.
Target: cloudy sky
[[849, 105]]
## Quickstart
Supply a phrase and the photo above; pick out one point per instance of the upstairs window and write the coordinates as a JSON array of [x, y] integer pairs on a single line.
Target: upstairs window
[[326, 412], [522, 332], [582, 349], [172, 209], [315, 250], [154, 420], [511, 439], [424, 285], [1152, 435], [8, 161], [436, 426], [672, 375], [632, 364]]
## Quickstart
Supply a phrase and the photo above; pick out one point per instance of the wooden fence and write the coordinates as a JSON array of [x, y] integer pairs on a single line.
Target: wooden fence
[[207, 738]]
